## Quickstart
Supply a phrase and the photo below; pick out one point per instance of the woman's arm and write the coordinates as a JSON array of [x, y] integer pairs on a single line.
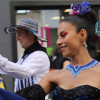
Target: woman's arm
[[34, 92], [47, 82], [38, 91]]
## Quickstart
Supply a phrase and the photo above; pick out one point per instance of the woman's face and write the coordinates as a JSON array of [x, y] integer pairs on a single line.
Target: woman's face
[[68, 39]]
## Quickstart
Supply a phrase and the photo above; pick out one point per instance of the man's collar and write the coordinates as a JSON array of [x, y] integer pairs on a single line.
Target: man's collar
[[34, 47]]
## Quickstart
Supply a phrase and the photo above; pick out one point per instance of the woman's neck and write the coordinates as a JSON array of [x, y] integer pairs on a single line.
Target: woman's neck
[[81, 58]]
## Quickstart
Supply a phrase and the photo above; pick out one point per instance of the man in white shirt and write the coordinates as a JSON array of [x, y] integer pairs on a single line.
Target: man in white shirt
[[34, 62]]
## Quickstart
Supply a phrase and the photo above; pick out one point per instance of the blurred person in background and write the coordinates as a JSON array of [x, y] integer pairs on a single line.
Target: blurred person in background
[[59, 62], [64, 62]]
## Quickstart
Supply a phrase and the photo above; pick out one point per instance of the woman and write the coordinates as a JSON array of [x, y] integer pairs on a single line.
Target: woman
[[64, 62], [80, 80]]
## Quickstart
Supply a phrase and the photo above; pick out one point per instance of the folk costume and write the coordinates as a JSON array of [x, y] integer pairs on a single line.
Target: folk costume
[[34, 62]]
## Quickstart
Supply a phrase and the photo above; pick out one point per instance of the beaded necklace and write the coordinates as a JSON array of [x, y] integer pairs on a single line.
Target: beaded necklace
[[77, 69]]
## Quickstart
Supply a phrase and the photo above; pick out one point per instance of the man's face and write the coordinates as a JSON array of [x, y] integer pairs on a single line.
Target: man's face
[[24, 39]]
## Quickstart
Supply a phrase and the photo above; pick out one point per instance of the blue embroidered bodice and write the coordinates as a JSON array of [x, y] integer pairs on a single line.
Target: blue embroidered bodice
[[84, 92]]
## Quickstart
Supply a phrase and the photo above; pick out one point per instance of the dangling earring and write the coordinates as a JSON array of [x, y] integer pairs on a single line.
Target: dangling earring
[[85, 45]]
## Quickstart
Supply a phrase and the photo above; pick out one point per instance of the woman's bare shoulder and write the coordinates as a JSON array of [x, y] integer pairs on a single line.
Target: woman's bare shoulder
[[53, 74]]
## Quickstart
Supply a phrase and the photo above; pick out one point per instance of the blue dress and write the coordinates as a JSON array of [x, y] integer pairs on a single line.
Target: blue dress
[[83, 92]]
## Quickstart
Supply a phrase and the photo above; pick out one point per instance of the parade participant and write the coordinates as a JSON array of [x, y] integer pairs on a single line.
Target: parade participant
[[34, 62], [80, 80]]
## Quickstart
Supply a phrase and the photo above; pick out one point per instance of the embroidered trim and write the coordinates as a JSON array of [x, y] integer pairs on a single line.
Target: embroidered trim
[[77, 69]]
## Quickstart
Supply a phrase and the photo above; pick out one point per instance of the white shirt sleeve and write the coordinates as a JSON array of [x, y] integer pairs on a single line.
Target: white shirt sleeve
[[34, 63]]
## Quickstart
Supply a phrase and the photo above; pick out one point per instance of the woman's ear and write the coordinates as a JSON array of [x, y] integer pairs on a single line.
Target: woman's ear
[[83, 35]]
